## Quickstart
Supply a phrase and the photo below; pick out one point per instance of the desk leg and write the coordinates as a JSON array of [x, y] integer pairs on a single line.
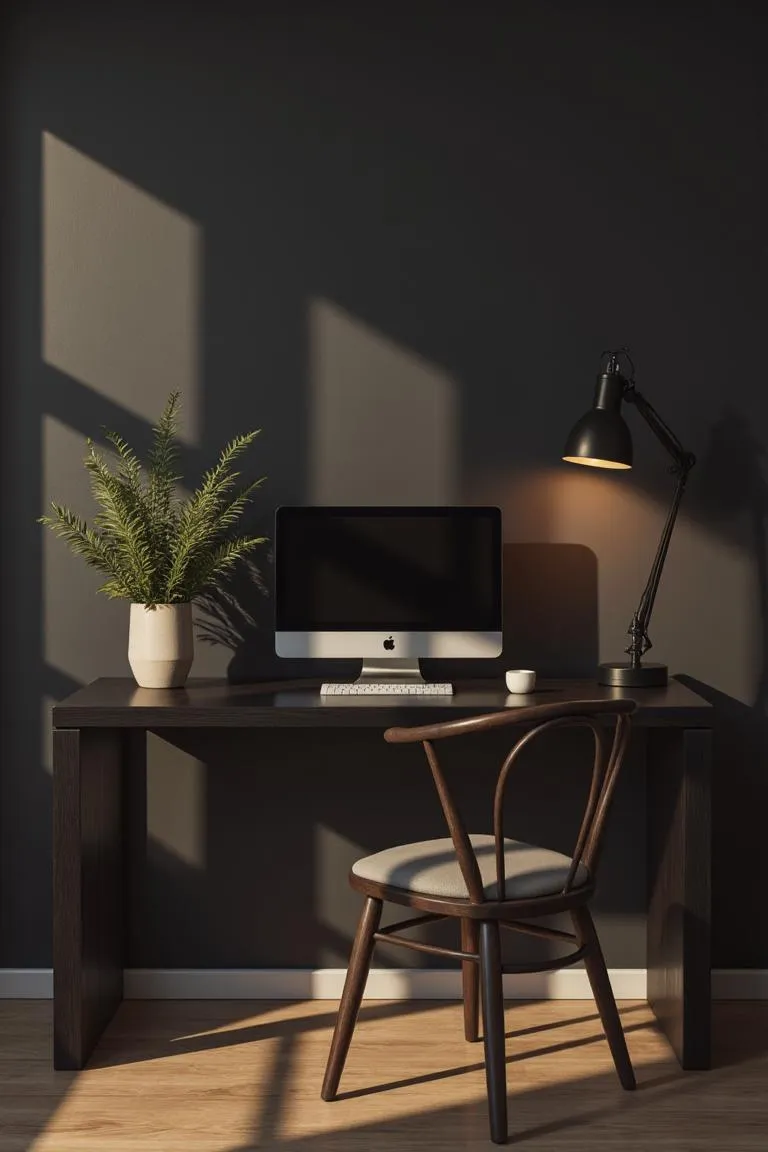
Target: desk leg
[[679, 775], [87, 889]]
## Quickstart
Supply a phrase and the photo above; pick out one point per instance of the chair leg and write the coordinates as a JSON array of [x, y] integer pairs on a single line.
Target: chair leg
[[493, 1028], [470, 981], [603, 993], [354, 986]]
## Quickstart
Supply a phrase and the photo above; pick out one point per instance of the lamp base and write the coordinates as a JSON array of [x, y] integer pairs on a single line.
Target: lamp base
[[626, 675]]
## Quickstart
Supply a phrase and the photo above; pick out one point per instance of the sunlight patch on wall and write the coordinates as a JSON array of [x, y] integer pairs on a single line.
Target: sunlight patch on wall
[[121, 283], [382, 421], [121, 287], [177, 800]]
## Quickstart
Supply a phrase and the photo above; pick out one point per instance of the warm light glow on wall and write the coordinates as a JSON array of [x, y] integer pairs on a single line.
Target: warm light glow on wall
[[620, 523]]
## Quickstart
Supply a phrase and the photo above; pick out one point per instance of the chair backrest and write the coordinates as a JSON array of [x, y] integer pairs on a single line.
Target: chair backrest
[[600, 716]]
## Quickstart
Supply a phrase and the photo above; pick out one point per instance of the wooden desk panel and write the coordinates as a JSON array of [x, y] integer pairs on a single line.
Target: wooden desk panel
[[297, 704], [100, 736]]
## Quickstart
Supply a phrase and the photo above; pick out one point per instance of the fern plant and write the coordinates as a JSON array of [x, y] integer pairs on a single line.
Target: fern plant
[[153, 546]]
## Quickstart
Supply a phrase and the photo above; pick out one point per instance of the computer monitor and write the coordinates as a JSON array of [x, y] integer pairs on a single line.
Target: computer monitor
[[388, 585]]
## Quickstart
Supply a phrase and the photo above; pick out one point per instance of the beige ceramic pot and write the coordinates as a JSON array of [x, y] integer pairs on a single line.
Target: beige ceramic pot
[[161, 645]]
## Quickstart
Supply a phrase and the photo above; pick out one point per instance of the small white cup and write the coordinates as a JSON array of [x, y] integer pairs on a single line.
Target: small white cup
[[520, 680]]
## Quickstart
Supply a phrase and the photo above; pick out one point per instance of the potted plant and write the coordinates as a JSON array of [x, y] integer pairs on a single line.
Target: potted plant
[[156, 549]]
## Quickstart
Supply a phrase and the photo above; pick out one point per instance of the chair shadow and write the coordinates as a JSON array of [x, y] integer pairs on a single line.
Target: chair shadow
[[567, 1021], [679, 1083], [449, 1073], [109, 1055], [663, 1081], [628, 1100]]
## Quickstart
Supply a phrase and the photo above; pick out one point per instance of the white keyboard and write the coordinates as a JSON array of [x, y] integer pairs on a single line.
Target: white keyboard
[[386, 690]]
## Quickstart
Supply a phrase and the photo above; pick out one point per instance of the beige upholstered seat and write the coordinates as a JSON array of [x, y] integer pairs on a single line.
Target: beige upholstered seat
[[431, 868]]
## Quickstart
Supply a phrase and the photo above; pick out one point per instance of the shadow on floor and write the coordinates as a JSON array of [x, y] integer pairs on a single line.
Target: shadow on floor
[[562, 1095], [128, 1041], [31, 1093]]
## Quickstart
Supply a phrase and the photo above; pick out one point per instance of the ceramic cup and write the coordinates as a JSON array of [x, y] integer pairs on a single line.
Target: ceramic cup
[[520, 680]]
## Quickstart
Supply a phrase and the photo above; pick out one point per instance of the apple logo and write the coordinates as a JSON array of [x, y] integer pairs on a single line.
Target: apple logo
[[389, 644]]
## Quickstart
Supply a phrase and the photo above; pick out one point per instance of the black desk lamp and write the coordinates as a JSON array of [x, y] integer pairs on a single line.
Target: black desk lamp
[[601, 439]]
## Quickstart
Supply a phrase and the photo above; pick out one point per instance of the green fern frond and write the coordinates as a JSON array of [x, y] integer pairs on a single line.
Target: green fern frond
[[222, 470], [199, 526], [82, 540], [230, 514], [163, 477], [123, 522], [223, 558], [152, 547], [117, 589], [130, 466]]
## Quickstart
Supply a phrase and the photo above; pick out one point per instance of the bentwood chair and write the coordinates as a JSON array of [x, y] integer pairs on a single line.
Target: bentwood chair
[[488, 882]]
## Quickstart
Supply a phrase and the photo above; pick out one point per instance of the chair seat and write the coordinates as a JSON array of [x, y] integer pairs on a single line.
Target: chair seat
[[431, 868]]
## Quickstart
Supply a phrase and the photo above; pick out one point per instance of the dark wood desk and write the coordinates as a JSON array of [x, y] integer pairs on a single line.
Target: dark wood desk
[[100, 733]]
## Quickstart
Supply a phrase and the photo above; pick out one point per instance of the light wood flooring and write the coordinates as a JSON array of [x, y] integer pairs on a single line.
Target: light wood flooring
[[193, 1076]]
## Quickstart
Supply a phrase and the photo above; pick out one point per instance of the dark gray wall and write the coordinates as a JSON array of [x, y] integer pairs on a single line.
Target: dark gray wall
[[397, 239]]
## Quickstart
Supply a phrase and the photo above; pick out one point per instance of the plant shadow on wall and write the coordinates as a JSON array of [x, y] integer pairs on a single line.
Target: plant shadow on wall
[[732, 493], [238, 616]]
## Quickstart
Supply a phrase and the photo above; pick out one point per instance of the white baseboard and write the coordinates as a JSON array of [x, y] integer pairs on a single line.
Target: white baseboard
[[383, 984], [26, 983]]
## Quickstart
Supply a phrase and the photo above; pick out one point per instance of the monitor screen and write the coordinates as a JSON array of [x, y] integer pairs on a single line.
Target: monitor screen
[[399, 569]]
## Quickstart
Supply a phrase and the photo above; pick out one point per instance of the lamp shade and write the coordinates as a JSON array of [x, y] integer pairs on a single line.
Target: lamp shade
[[601, 438]]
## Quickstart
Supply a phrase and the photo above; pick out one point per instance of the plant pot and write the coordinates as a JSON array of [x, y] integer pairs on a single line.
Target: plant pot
[[161, 645]]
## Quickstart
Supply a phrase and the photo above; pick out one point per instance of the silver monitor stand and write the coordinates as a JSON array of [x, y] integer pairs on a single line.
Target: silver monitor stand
[[378, 671]]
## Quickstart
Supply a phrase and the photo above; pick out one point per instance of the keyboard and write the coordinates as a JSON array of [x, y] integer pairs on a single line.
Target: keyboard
[[386, 690]]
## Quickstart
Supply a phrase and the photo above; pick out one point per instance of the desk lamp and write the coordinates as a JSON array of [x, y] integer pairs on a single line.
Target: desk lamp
[[601, 439]]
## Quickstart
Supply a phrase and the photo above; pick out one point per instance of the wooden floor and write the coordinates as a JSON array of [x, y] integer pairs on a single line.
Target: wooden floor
[[213, 1076]]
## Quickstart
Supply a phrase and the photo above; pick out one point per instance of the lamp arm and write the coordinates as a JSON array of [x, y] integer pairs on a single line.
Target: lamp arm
[[683, 462]]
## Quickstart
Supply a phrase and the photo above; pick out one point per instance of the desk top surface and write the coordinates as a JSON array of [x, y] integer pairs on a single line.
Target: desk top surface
[[119, 703]]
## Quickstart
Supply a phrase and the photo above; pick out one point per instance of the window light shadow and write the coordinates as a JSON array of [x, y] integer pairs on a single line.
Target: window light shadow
[[383, 420], [121, 283]]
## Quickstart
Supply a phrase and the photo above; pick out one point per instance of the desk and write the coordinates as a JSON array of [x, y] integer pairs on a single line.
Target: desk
[[100, 734]]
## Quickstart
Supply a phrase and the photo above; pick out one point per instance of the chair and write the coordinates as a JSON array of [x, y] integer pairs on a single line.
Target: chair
[[489, 882]]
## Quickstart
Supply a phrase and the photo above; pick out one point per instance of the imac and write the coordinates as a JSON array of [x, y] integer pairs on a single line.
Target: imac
[[388, 586]]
